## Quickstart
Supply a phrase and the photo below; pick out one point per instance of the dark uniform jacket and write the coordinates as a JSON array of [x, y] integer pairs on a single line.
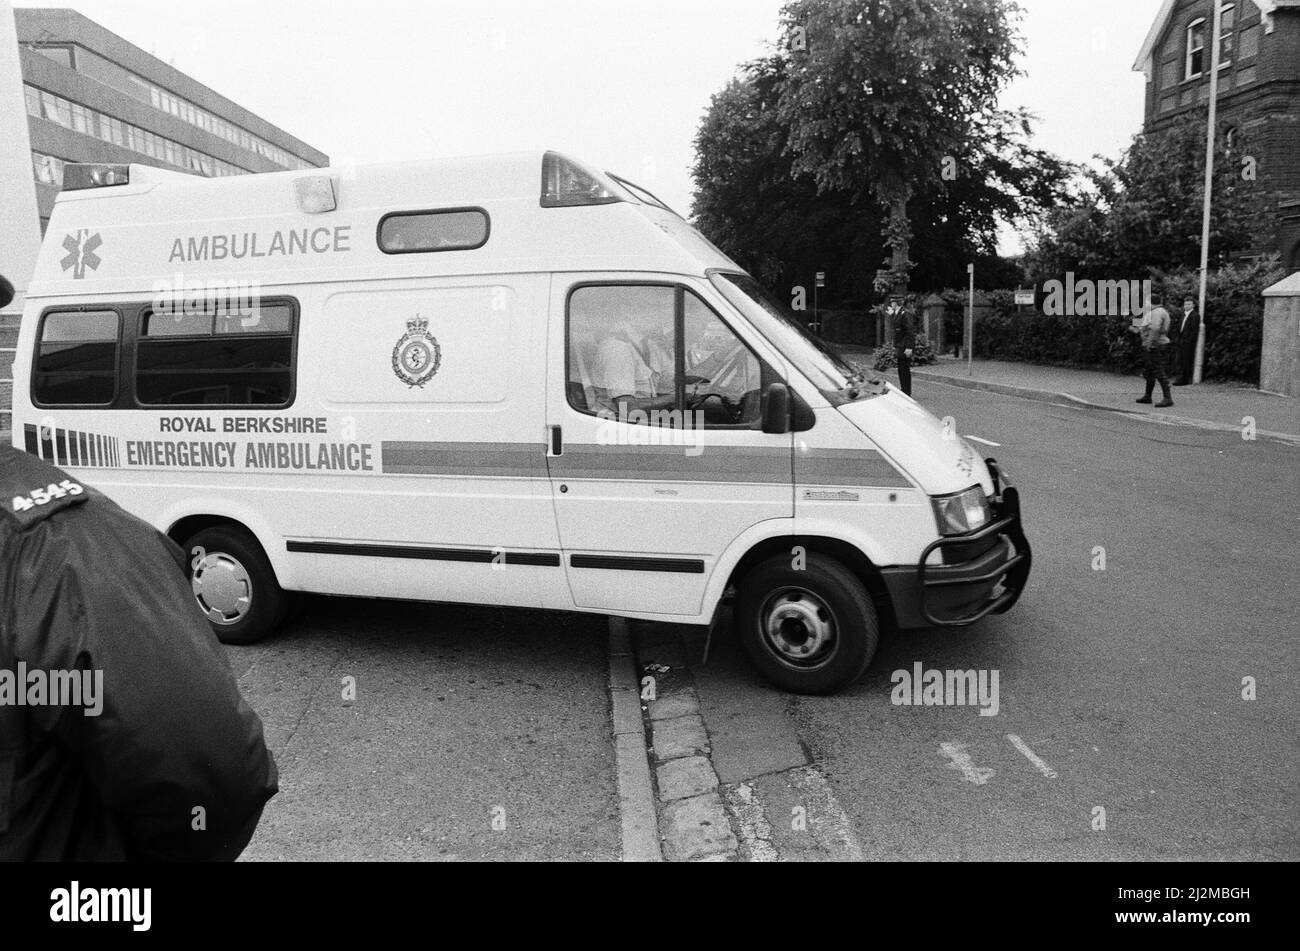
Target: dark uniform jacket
[[175, 766], [904, 332]]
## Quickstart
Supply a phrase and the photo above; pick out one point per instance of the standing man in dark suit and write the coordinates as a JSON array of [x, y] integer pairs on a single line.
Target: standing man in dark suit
[[904, 343], [1188, 329]]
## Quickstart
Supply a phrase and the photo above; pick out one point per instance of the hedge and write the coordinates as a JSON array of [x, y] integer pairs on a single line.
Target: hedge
[[1234, 329]]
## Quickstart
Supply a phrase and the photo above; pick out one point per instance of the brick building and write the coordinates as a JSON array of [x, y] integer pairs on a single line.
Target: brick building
[[93, 97], [1259, 93]]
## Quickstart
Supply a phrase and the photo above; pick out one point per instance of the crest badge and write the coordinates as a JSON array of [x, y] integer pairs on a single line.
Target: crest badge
[[417, 356]]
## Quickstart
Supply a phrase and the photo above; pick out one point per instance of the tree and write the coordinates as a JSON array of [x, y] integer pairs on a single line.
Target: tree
[[780, 223], [1144, 210], [750, 202], [878, 94]]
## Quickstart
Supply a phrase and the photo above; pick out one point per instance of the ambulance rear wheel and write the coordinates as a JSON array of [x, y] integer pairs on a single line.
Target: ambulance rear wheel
[[234, 585], [808, 630]]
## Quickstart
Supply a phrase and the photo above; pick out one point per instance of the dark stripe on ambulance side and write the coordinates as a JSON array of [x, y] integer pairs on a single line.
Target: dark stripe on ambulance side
[[686, 566], [544, 559]]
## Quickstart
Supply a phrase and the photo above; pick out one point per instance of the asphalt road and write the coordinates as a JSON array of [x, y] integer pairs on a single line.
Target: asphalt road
[[474, 734], [1124, 684], [1122, 687]]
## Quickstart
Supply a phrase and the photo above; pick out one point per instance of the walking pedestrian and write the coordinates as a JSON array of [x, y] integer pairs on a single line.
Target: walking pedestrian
[[904, 344], [1154, 331], [1189, 328]]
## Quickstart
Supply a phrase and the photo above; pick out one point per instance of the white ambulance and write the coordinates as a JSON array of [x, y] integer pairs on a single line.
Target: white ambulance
[[511, 380]]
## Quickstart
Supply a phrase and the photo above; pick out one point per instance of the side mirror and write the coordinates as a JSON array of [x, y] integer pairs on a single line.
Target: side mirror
[[776, 409], [6, 292]]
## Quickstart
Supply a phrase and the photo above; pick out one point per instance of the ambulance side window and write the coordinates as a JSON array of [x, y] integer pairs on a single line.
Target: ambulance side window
[[193, 358], [658, 355], [76, 359], [451, 229], [724, 379], [622, 347]]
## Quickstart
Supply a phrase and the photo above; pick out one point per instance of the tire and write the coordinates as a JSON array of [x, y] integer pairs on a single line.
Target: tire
[[809, 631], [234, 585]]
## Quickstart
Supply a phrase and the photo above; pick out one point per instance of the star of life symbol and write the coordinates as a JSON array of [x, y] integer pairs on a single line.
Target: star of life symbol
[[417, 356], [81, 252]]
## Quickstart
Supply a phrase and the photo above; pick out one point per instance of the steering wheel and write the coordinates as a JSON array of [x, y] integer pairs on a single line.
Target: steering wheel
[[730, 407]]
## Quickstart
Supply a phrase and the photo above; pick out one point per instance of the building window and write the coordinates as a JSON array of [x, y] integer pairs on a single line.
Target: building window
[[1195, 65], [1226, 34], [48, 169], [73, 115], [186, 111], [76, 359]]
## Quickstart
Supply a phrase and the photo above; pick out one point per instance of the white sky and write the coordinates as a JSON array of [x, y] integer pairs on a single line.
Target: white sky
[[621, 84]]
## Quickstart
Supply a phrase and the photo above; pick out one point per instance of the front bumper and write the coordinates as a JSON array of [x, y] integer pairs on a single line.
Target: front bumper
[[955, 595]]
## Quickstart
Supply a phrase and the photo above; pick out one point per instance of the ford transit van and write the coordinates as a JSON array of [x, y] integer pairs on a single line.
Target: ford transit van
[[512, 380]]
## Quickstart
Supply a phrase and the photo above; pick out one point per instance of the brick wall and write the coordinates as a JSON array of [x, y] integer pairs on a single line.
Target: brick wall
[[1260, 97]]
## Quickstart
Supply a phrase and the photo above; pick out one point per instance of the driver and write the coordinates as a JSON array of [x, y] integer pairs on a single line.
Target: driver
[[625, 368]]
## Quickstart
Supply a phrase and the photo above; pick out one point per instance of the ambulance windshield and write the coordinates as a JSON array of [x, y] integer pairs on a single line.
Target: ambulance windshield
[[823, 367]]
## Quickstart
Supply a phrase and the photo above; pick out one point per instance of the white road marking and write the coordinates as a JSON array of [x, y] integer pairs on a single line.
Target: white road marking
[[835, 825], [1030, 755], [755, 831], [979, 775], [995, 445]]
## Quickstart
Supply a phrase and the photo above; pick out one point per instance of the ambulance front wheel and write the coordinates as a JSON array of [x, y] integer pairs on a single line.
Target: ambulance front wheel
[[234, 585], [809, 628]]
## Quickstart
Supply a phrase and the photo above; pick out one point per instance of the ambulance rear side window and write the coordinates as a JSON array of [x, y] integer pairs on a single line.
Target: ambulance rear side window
[[76, 360], [450, 229], [217, 359]]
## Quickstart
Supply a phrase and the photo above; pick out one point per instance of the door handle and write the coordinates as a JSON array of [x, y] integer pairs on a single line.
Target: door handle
[[557, 441]]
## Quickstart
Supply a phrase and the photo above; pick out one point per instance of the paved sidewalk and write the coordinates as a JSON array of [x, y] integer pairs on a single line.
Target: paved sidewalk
[[1211, 405]]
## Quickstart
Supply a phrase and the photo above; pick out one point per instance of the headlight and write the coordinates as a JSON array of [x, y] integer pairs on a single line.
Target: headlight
[[963, 512]]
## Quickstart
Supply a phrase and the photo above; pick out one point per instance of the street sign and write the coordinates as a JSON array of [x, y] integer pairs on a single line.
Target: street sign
[[1025, 298], [821, 278]]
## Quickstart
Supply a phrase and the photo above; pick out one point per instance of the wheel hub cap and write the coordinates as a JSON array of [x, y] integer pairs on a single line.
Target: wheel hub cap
[[222, 588], [799, 627]]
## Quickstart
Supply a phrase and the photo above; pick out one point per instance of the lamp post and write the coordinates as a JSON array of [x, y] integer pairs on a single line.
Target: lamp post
[[970, 323], [1209, 183]]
